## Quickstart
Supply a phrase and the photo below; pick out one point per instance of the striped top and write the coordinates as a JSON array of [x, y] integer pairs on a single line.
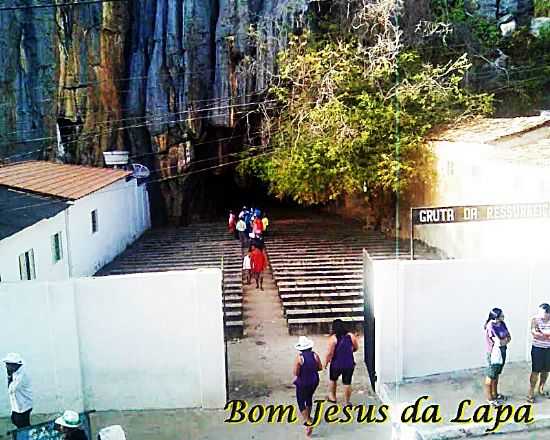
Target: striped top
[[544, 327]]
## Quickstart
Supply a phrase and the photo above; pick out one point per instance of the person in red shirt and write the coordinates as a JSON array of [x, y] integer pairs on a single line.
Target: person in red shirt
[[258, 262], [258, 226]]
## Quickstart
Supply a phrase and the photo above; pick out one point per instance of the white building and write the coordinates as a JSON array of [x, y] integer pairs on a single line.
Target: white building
[[59, 221], [488, 162]]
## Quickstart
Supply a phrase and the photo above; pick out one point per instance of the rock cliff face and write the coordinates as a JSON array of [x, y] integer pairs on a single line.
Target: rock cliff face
[[165, 79], [497, 8], [151, 76]]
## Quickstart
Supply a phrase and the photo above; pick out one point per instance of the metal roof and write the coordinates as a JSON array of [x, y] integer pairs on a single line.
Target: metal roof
[[19, 210], [70, 182]]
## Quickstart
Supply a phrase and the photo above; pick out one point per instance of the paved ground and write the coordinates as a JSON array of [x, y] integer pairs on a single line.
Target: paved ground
[[448, 390]]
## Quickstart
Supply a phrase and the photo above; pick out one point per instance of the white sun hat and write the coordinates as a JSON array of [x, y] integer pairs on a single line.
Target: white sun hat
[[13, 358], [70, 419], [114, 432], [303, 343]]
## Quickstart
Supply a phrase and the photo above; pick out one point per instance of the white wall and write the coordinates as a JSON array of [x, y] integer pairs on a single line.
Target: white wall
[[37, 237], [123, 215], [472, 174], [430, 314], [149, 341], [38, 321], [382, 286]]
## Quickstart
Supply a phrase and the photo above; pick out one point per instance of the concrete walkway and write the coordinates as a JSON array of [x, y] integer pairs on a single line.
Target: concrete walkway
[[260, 371], [448, 390]]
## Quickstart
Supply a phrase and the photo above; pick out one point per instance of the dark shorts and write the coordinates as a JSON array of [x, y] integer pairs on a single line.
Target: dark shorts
[[21, 420], [494, 370], [540, 358], [347, 373], [304, 395]]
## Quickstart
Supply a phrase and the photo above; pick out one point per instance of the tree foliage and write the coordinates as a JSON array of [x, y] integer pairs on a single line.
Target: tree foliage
[[356, 112]]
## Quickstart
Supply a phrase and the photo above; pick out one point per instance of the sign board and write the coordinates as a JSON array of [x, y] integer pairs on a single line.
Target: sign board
[[476, 213], [436, 215], [46, 430]]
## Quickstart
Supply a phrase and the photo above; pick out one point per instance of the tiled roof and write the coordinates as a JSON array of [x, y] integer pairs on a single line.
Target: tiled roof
[[21, 210], [66, 181]]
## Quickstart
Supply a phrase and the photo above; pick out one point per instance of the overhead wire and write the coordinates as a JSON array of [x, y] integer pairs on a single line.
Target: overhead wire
[[58, 5], [153, 121], [169, 76], [266, 153], [160, 106], [193, 162]]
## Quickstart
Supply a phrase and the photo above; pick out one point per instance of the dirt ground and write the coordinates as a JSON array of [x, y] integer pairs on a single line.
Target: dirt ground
[[260, 364]]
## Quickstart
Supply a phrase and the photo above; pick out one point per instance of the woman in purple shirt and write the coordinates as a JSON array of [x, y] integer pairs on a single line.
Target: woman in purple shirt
[[341, 346], [496, 332], [306, 367]]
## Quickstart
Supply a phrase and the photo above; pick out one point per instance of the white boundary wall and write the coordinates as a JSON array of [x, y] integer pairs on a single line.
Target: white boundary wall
[[430, 314], [147, 341]]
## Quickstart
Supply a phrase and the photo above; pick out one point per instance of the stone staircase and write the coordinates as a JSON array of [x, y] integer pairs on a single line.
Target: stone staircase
[[317, 265], [187, 248]]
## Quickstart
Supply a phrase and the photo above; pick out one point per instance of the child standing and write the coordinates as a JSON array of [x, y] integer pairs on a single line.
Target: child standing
[[247, 266]]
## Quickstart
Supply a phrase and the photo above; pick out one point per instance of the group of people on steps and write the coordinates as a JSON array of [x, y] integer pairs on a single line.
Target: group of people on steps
[[307, 364], [250, 228]]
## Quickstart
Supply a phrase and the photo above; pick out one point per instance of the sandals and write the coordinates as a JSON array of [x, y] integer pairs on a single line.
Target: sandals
[[545, 394], [501, 397], [530, 399], [331, 401]]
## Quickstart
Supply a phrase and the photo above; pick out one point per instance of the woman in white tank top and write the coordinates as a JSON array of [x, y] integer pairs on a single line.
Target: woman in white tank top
[[540, 352]]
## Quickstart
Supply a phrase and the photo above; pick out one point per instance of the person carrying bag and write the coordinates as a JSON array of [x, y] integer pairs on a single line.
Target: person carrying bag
[[497, 338]]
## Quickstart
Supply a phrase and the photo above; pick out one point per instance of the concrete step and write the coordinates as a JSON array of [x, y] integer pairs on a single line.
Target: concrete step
[[312, 289], [324, 312], [312, 296], [357, 265], [323, 303], [300, 326], [320, 282]]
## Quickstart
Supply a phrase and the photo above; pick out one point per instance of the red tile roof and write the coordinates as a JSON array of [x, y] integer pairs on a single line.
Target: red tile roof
[[67, 181]]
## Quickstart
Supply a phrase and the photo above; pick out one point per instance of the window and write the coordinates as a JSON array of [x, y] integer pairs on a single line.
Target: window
[[95, 226], [57, 248], [26, 265]]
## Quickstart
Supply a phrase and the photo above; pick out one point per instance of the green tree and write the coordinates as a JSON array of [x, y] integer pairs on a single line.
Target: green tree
[[355, 117]]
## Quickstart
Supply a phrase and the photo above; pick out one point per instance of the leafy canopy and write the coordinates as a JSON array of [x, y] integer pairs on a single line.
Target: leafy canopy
[[352, 122]]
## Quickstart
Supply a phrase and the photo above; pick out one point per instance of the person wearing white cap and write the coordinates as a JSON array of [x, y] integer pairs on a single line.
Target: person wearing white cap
[[69, 425], [19, 390], [306, 367]]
